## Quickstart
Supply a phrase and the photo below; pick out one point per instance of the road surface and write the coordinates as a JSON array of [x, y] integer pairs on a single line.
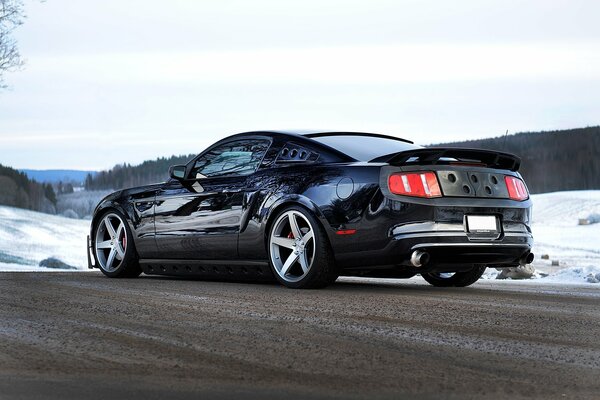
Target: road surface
[[81, 335]]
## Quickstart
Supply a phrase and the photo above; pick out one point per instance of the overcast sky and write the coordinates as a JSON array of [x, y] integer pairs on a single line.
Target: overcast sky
[[108, 81]]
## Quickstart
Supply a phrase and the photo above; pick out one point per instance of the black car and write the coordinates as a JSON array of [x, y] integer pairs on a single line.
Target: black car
[[305, 208]]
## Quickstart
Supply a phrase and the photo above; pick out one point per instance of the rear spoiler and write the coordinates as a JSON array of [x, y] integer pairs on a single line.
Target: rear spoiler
[[453, 155]]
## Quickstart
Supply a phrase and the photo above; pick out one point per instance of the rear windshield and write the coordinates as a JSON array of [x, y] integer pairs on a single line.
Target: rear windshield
[[365, 148]]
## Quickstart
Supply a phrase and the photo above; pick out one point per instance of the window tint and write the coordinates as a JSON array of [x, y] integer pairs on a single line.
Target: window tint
[[365, 148], [241, 157]]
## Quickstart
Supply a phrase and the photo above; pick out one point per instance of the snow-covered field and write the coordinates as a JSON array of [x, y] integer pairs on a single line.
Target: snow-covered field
[[556, 230], [27, 237], [558, 235]]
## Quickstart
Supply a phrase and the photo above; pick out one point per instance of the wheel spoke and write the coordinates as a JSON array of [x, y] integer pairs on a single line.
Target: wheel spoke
[[120, 251], [304, 262], [109, 228], [104, 245], [118, 245], [288, 263], [294, 226], [119, 231], [283, 242], [307, 237], [111, 258]]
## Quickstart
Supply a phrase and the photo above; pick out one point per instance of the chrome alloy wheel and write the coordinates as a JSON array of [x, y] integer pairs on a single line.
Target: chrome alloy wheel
[[292, 246], [111, 242]]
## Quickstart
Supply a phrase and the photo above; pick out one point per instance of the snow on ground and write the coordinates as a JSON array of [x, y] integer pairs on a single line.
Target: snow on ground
[[557, 234], [28, 237]]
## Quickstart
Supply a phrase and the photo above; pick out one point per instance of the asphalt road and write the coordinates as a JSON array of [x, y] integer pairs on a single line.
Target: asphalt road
[[81, 335]]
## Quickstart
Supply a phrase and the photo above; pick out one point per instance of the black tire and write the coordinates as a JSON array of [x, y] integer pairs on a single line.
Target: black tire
[[459, 279], [129, 266], [322, 269]]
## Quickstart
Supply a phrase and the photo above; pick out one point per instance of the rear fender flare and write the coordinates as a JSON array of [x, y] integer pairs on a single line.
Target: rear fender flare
[[293, 200]]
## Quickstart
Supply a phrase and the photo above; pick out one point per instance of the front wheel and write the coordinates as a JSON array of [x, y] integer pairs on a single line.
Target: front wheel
[[457, 279], [299, 251], [113, 247]]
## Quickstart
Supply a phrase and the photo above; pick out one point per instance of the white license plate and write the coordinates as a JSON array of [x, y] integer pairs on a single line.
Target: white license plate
[[481, 223]]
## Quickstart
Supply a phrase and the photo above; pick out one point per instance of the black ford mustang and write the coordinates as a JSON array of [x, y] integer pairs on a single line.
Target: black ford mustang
[[307, 208]]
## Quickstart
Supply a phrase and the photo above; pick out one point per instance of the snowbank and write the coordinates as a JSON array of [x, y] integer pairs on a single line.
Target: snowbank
[[557, 233], [587, 274], [28, 237]]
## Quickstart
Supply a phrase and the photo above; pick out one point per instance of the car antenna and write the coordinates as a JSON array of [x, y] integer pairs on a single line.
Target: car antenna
[[504, 142]]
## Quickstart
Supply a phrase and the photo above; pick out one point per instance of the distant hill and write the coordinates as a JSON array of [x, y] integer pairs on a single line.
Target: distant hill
[[17, 190], [552, 161], [57, 175], [125, 175]]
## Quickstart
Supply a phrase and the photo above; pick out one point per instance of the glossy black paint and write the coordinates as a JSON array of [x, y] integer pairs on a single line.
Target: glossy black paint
[[218, 227], [192, 221]]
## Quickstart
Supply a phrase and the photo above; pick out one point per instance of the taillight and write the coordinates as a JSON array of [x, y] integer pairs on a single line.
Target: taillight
[[418, 184], [516, 188]]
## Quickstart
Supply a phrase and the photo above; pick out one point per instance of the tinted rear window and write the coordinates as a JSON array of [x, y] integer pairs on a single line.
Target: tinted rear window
[[365, 148]]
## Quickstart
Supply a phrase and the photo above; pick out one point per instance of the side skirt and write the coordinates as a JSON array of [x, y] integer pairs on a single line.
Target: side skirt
[[231, 270]]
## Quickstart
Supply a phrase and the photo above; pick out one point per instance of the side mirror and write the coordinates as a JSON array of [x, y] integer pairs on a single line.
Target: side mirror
[[177, 171]]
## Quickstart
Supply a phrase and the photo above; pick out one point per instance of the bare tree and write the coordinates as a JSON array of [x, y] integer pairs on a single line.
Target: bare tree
[[11, 16]]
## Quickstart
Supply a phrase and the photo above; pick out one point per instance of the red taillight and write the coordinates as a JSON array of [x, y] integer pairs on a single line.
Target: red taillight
[[516, 188], [418, 184]]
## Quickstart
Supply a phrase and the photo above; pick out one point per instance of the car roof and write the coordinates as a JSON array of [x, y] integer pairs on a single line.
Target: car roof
[[314, 133], [377, 135], [312, 136]]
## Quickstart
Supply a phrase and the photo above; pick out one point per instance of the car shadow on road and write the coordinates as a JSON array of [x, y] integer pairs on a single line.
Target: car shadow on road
[[344, 284]]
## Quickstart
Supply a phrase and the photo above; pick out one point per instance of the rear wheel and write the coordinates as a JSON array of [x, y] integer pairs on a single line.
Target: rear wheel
[[113, 247], [457, 279], [299, 251]]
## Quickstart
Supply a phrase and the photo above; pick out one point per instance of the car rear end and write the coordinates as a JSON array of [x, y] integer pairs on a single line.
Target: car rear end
[[453, 209], [432, 210]]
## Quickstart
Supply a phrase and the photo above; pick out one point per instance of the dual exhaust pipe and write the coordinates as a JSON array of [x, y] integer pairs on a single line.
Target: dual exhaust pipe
[[420, 258], [526, 258]]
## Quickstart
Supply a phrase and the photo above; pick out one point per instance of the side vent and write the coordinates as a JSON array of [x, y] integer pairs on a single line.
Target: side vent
[[294, 153]]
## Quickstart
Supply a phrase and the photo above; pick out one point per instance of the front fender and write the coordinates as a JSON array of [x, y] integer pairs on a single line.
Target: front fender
[[109, 202]]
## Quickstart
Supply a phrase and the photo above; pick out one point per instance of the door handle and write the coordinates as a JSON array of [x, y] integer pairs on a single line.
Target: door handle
[[231, 191]]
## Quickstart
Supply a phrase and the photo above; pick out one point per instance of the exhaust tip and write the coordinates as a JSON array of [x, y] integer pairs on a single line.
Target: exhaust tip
[[419, 258], [527, 258]]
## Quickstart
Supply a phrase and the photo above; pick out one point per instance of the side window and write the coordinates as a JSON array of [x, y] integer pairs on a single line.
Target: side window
[[241, 157]]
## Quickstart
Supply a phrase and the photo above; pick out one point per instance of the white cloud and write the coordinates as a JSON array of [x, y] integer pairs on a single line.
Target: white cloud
[[109, 81], [339, 65]]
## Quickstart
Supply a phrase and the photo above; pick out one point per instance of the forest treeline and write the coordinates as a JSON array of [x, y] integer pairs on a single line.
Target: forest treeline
[[127, 175], [17, 190], [553, 160]]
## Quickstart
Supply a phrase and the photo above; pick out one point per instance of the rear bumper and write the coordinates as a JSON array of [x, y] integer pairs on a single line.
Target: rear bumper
[[449, 247]]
